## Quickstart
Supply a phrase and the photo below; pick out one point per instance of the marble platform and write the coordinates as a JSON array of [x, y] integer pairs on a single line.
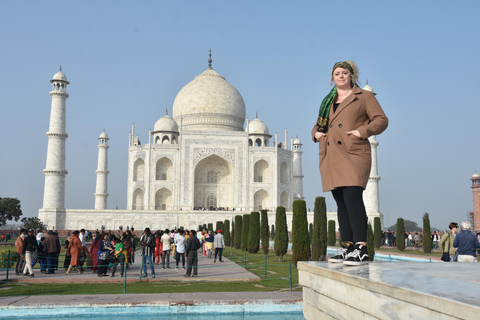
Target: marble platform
[[390, 290]]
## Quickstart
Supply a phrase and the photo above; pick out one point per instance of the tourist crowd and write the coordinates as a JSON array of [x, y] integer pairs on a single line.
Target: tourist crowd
[[106, 251]]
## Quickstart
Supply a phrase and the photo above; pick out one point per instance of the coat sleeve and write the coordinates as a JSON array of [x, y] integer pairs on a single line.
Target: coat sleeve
[[378, 120], [314, 130], [455, 242]]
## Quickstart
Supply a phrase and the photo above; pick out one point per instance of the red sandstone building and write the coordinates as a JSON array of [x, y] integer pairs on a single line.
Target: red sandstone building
[[475, 215]]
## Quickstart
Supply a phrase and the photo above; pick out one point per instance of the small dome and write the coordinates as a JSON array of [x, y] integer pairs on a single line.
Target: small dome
[[103, 135], [166, 124], [297, 141], [256, 126], [60, 76], [368, 88], [475, 176]]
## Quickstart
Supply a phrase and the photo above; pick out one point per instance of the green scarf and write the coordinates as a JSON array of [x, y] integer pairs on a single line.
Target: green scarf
[[327, 102]]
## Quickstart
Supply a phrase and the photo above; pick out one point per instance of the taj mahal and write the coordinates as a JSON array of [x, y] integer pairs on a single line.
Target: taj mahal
[[205, 163]]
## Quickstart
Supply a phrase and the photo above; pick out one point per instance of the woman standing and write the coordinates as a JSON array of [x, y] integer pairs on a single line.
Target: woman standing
[[104, 249], [348, 115], [94, 250], [446, 242], [74, 249]]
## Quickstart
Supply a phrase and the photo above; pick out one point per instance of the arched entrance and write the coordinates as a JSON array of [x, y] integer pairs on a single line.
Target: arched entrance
[[213, 183]]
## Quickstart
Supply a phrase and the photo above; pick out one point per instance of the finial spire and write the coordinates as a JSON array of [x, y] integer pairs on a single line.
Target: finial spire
[[60, 67], [166, 111], [210, 58], [256, 115]]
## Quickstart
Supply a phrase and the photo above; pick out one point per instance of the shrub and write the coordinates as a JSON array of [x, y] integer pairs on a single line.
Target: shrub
[[272, 232], [4, 258], [238, 232], [253, 245], [245, 227], [427, 240], [219, 226], [319, 241], [281, 234], [210, 227], [264, 231], [332, 235], [400, 235], [226, 233], [370, 243], [300, 240], [377, 232]]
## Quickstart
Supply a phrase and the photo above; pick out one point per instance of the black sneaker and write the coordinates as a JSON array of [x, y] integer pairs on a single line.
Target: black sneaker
[[342, 253], [358, 257]]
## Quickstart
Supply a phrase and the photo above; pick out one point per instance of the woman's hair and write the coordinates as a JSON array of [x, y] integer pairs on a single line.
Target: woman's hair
[[453, 225], [351, 67]]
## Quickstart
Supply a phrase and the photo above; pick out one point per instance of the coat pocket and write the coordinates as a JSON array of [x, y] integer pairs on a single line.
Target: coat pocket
[[357, 144], [322, 145]]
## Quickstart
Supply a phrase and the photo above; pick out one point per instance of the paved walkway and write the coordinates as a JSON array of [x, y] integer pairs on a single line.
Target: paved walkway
[[207, 271]]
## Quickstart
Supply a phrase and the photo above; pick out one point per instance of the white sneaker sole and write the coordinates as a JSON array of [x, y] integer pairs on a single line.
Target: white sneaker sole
[[355, 263]]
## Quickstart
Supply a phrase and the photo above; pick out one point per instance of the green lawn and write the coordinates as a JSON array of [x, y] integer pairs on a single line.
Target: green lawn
[[277, 280]]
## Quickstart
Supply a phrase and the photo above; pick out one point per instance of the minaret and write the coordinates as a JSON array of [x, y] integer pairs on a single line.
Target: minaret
[[297, 170], [371, 195], [53, 211], [476, 201], [102, 173], [54, 192]]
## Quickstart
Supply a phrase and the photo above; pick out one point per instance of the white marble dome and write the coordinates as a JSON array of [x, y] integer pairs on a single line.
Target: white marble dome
[[59, 76], [475, 176], [210, 103], [166, 124], [103, 135], [256, 126], [368, 88]]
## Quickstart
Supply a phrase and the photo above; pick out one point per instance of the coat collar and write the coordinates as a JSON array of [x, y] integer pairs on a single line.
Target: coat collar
[[352, 97]]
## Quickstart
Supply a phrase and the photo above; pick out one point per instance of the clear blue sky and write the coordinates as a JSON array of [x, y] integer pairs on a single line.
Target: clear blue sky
[[127, 60]]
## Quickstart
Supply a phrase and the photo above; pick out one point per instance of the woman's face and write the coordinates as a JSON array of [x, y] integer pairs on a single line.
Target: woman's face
[[342, 78]]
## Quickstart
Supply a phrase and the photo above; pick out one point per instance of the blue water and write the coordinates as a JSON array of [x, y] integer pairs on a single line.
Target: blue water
[[169, 316]]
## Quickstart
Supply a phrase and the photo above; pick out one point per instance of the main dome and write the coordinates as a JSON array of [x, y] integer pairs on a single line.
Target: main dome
[[209, 102]]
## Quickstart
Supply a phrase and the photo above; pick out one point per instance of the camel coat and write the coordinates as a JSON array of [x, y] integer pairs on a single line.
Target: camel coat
[[74, 248], [345, 160]]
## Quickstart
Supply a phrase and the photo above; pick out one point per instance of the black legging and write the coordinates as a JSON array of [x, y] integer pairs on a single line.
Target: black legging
[[352, 216]]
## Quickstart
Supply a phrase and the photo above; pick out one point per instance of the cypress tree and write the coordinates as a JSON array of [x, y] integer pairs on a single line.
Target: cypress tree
[[253, 245], [232, 233], [219, 226], [300, 240], [226, 233], [281, 234], [210, 227], [400, 234], [272, 232], [370, 243], [199, 227], [332, 235], [377, 229], [205, 226], [427, 239], [319, 241], [238, 232], [245, 227], [265, 233], [310, 232]]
